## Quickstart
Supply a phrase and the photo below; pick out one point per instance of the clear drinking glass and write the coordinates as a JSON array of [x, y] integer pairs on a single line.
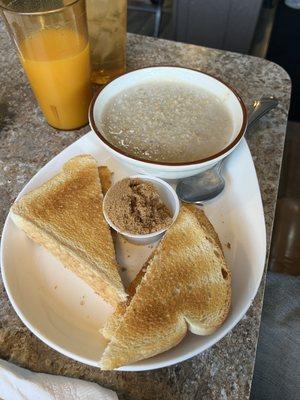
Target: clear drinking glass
[[52, 41], [107, 25]]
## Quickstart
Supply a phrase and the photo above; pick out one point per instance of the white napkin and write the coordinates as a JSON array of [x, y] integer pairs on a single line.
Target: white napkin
[[20, 384]]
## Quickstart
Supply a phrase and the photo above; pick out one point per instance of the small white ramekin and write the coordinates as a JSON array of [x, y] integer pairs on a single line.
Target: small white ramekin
[[168, 196]]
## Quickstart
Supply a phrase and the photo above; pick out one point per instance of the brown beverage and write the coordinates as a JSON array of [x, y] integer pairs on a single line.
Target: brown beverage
[[107, 31]]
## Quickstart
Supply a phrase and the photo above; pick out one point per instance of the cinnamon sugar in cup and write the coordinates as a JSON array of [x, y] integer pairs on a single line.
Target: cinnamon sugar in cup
[[141, 208]]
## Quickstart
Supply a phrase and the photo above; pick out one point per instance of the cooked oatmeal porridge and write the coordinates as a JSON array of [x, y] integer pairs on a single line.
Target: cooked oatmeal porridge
[[167, 121]]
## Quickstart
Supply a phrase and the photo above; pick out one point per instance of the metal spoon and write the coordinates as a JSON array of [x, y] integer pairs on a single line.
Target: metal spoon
[[209, 184]]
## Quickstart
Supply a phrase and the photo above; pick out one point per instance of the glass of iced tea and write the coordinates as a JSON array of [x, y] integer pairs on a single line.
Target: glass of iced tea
[[52, 41], [107, 20]]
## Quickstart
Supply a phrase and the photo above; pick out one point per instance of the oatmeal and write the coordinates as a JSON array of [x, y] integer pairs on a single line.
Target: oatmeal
[[167, 122]]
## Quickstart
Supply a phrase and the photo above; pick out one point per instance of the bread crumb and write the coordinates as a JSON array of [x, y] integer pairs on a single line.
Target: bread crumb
[[55, 287], [123, 269], [135, 206], [228, 245]]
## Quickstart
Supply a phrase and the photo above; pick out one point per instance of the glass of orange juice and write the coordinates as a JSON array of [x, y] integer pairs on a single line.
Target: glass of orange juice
[[52, 41]]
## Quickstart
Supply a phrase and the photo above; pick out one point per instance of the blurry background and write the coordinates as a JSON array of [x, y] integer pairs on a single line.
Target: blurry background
[[268, 29]]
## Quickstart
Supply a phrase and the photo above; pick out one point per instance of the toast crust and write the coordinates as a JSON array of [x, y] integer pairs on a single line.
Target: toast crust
[[105, 176]]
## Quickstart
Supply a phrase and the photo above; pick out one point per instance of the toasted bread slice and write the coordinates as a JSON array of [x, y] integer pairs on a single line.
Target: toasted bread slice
[[186, 285], [65, 216], [113, 321]]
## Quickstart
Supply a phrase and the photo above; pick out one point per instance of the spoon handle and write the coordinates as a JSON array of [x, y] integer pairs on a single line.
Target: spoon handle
[[256, 111], [260, 108]]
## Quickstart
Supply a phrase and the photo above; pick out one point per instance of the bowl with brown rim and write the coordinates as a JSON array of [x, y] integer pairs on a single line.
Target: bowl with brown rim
[[170, 170]]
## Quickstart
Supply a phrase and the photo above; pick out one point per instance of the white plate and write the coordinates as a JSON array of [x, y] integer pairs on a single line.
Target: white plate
[[65, 313]]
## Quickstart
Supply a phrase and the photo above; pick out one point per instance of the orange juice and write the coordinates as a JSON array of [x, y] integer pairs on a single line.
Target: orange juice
[[57, 64]]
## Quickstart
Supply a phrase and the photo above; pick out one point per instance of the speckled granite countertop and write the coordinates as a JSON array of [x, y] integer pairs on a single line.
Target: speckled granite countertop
[[27, 143]]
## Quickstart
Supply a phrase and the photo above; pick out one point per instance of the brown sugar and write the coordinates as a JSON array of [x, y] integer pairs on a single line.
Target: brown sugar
[[135, 206]]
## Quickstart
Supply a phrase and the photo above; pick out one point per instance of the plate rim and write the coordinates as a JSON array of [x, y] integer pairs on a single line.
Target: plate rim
[[134, 367]]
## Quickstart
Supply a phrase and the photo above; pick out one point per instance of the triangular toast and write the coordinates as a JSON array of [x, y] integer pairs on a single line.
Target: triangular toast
[[185, 285], [65, 216]]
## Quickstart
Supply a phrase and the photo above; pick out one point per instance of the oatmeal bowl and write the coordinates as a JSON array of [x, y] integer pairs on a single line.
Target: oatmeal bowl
[[170, 122]]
